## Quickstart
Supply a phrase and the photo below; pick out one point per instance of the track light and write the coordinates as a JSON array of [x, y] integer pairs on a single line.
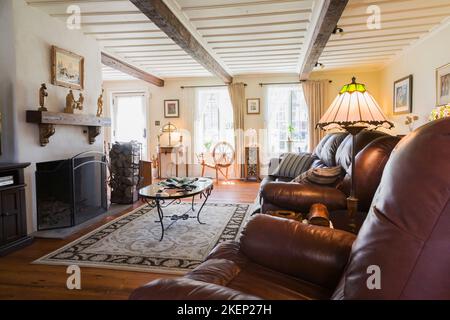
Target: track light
[[318, 64], [338, 30]]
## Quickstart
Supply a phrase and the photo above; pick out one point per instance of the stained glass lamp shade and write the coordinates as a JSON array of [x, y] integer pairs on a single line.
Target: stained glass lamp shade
[[354, 105]]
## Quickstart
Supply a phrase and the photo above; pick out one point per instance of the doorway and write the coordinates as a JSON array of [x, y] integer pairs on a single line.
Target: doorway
[[130, 119]]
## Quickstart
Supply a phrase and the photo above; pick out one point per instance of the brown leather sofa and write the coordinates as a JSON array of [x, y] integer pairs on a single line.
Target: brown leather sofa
[[373, 151], [405, 237]]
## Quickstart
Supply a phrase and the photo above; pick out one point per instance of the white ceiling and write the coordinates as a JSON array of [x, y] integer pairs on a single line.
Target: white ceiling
[[403, 22], [123, 31], [244, 36], [250, 36]]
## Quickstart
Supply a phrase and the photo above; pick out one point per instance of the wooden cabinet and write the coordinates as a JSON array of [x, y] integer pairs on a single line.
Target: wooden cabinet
[[252, 164], [13, 226]]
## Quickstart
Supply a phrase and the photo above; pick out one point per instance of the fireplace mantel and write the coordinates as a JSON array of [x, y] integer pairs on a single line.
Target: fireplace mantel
[[47, 121]]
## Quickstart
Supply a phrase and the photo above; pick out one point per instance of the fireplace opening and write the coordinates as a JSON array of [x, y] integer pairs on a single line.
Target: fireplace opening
[[72, 191]]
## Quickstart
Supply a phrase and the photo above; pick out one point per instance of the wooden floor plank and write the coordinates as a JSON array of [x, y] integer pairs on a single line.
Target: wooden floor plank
[[19, 279]]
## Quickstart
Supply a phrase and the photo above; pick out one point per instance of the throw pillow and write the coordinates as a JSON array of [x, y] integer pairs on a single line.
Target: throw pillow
[[293, 164], [321, 176]]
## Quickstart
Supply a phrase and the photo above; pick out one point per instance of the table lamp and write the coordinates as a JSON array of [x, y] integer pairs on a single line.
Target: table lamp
[[169, 128], [353, 110]]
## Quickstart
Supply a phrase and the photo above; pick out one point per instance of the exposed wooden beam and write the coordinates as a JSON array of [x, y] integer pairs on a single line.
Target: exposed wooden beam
[[158, 12], [124, 67], [331, 13]]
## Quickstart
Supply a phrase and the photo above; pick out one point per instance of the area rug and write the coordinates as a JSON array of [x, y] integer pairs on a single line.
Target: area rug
[[131, 242]]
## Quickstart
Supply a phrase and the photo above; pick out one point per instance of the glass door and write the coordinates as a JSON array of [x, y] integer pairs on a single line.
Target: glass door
[[130, 119]]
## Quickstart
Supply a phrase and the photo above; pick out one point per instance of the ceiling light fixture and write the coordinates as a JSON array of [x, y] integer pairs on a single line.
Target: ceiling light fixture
[[318, 64], [339, 31]]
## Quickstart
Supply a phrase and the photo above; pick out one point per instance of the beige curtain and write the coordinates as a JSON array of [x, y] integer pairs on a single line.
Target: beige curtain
[[237, 96], [316, 98]]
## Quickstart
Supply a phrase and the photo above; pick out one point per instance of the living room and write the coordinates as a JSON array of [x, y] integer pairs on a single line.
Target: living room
[[203, 150]]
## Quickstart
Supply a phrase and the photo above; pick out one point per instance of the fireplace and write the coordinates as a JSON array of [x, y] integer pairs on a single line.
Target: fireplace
[[72, 191]]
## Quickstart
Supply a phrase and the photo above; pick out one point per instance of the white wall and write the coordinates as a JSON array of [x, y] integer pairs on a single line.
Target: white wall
[[421, 61], [34, 32]]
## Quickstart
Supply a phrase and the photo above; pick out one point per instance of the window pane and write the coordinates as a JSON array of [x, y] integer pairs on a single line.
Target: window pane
[[214, 119], [287, 120]]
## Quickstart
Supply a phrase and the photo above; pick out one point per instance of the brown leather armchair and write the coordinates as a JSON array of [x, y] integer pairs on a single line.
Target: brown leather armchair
[[405, 237], [375, 149]]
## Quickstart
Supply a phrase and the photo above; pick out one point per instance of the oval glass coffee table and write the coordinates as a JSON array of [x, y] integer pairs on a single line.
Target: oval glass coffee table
[[159, 196]]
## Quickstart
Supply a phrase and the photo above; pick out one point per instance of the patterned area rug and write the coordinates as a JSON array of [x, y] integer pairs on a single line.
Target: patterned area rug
[[131, 242]]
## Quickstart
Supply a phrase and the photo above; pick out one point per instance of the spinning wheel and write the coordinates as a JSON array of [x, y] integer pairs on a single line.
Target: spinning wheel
[[223, 156]]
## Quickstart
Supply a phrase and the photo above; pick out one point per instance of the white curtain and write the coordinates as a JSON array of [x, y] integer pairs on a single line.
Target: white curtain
[[237, 96], [315, 93]]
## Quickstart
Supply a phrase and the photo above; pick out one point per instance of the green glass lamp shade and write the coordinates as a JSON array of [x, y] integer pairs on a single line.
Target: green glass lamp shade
[[352, 87]]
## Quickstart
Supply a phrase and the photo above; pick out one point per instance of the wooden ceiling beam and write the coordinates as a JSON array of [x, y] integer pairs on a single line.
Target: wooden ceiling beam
[[329, 17], [124, 67], [159, 13]]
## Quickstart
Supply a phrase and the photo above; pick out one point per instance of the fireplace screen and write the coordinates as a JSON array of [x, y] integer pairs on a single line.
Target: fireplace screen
[[72, 191]]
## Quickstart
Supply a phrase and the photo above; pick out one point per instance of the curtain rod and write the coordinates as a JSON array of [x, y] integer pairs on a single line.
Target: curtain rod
[[297, 82], [212, 86]]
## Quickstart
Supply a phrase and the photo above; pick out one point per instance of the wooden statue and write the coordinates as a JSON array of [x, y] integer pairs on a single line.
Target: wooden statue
[[100, 104], [70, 103], [42, 95], [80, 102]]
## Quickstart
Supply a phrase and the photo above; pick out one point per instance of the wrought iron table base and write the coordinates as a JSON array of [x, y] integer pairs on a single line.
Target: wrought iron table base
[[160, 204]]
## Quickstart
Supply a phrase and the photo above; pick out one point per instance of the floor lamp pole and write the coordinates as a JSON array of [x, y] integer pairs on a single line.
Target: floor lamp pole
[[352, 200]]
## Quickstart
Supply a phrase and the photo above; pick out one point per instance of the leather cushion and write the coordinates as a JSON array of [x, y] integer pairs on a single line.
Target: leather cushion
[[328, 146]]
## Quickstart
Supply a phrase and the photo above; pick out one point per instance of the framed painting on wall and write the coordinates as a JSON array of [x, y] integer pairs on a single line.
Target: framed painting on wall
[[403, 95], [443, 85], [67, 69], [172, 108], [253, 106]]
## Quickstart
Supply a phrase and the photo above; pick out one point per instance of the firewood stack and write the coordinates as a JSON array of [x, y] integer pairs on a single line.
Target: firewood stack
[[125, 175]]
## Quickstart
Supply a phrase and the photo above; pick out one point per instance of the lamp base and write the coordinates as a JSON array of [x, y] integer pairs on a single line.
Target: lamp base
[[352, 209]]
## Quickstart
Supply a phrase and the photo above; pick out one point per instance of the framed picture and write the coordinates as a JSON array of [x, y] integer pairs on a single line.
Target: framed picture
[[403, 95], [443, 85], [67, 69], [253, 106], [172, 108]]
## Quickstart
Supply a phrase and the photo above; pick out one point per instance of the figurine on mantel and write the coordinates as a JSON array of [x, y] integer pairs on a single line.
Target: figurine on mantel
[[100, 104], [42, 95], [80, 102], [72, 104]]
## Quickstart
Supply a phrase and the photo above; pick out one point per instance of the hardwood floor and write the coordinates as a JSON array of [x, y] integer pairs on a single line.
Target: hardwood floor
[[19, 279]]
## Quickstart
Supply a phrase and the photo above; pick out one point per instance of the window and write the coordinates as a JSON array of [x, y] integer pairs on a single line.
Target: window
[[214, 119], [287, 120]]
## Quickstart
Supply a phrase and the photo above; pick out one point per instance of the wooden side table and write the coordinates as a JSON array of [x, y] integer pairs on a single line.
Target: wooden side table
[[286, 214], [252, 164], [170, 150]]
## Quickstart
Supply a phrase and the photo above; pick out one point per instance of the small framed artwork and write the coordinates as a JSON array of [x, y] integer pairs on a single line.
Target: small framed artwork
[[67, 69], [443, 85], [253, 106], [172, 108], [403, 95]]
